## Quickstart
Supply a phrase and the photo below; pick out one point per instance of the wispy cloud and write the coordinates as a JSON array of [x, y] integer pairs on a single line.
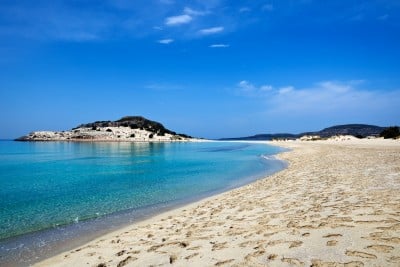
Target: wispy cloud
[[327, 98], [192, 12], [249, 89], [286, 90], [79, 20], [86, 20], [246, 86], [178, 20], [185, 18], [219, 46], [212, 30], [165, 41]]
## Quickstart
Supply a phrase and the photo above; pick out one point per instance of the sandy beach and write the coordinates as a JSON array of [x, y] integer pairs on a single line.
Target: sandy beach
[[337, 204]]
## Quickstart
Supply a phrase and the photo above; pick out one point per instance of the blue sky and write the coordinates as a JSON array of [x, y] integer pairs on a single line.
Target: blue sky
[[207, 68]]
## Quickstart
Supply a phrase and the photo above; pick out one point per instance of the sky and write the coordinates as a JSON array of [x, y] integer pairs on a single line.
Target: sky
[[207, 68]]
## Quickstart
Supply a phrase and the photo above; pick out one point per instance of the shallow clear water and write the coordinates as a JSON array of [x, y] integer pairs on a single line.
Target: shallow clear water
[[45, 185]]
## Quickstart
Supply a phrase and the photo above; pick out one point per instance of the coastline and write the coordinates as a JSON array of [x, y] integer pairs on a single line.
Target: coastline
[[337, 202], [29, 248]]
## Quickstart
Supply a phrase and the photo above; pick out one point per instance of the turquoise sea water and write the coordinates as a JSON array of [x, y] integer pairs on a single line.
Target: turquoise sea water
[[47, 185]]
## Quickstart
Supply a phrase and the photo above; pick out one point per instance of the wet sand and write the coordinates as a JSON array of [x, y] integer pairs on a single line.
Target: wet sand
[[337, 204]]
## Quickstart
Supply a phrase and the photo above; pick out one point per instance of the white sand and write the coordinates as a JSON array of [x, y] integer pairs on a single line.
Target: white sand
[[337, 204]]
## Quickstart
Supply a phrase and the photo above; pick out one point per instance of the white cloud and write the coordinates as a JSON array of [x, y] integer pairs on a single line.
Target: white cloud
[[189, 11], [219, 46], [323, 98], [246, 86], [335, 86], [165, 41], [286, 90], [249, 89], [178, 20], [265, 88], [324, 103], [186, 17], [212, 30]]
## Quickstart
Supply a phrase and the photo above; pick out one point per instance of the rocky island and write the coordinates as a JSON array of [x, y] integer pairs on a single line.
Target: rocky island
[[129, 128]]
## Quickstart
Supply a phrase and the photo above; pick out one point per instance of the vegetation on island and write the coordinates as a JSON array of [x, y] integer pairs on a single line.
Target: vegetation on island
[[357, 130], [133, 122], [110, 130], [390, 132]]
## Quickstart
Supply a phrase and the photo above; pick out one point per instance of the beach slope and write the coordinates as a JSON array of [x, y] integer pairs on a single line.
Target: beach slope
[[337, 204]]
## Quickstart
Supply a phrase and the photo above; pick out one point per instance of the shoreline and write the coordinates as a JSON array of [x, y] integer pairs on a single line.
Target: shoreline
[[313, 212], [86, 231], [110, 140]]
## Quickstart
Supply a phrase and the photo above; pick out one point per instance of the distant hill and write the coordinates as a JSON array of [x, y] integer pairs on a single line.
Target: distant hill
[[261, 137], [348, 129], [134, 122], [351, 129], [129, 128]]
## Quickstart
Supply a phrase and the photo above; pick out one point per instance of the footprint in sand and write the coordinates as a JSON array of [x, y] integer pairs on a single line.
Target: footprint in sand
[[395, 240], [381, 248], [255, 254], [220, 263], [126, 261], [218, 246], [295, 244], [319, 263], [122, 252], [191, 256], [360, 254], [293, 261], [332, 235], [331, 243], [394, 259], [172, 259]]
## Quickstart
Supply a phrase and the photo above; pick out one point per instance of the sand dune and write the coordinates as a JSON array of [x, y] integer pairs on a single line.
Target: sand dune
[[337, 204]]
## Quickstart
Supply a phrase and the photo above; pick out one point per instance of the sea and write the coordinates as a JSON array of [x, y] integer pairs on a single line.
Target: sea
[[55, 196]]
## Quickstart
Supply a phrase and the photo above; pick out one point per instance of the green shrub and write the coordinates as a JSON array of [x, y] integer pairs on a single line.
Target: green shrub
[[390, 132]]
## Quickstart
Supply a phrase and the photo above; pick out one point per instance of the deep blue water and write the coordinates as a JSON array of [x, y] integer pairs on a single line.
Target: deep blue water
[[48, 185]]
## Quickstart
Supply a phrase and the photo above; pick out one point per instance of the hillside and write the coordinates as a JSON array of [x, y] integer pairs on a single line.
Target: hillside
[[129, 128], [134, 122], [347, 129], [350, 129], [262, 137]]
